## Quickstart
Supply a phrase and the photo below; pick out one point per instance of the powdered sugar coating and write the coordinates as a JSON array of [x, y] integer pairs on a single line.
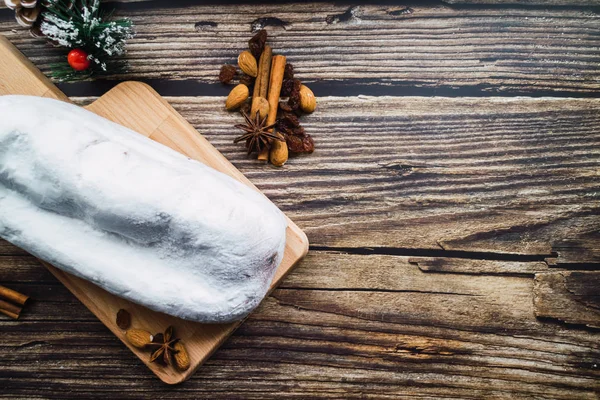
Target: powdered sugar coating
[[136, 218]]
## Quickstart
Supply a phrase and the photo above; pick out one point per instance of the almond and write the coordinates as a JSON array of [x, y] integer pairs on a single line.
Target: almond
[[182, 360], [138, 338], [237, 96], [278, 154], [248, 63], [308, 102], [261, 105]]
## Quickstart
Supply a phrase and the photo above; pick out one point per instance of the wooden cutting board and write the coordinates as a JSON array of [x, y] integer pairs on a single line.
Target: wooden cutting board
[[137, 106]]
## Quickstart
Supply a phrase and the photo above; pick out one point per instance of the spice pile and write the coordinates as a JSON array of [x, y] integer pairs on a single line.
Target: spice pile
[[272, 128], [166, 348]]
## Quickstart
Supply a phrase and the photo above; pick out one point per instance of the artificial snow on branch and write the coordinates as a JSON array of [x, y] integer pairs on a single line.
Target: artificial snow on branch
[[87, 31]]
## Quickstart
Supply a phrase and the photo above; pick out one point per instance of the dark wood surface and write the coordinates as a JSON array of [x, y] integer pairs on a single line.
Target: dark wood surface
[[453, 207]]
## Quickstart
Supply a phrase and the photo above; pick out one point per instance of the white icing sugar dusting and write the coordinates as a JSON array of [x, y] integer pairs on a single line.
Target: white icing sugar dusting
[[136, 218]]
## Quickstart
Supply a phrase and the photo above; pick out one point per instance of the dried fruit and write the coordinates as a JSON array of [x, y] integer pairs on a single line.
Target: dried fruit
[[247, 63], [257, 133], [139, 338], [257, 43], [288, 120], [237, 96], [247, 80], [308, 102], [297, 140], [164, 345], [245, 108], [300, 144], [294, 100], [288, 72], [227, 73], [123, 319], [182, 359], [286, 87], [285, 107]]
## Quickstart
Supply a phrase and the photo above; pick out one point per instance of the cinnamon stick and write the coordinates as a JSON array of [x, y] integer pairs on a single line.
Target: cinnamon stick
[[9, 309], [12, 296], [277, 70], [261, 85], [278, 153], [275, 82]]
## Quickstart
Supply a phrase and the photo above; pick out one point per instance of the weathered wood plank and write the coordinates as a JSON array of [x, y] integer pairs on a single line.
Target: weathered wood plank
[[526, 2], [571, 297], [410, 334], [374, 49], [492, 175], [23, 269], [585, 251], [478, 267], [9, 249]]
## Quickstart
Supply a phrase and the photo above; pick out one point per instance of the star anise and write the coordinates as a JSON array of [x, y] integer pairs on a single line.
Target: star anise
[[164, 344], [257, 134]]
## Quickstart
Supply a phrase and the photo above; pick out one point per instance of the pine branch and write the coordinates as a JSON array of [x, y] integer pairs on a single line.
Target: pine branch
[[83, 25]]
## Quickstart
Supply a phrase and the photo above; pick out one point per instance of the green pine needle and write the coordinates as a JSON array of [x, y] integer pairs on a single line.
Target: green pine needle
[[81, 24]]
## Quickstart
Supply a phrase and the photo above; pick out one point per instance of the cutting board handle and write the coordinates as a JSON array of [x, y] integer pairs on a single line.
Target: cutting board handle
[[18, 75]]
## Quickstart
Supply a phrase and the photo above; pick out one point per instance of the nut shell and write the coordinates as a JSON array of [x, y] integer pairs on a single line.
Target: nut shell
[[248, 64], [237, 96], [308, 101], [138, 338]]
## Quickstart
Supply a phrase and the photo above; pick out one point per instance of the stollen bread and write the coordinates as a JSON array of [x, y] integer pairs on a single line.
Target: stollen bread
[[138, 219]]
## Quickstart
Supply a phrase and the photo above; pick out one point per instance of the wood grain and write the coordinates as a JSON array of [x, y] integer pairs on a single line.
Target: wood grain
[[526, 2], [478, 267], [19, 75], [570, 296], [337, 327], [369, 49], [501, 175], [584, 252]]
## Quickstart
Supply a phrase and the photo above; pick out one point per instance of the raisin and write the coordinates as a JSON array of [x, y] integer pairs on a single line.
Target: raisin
[[285, 107], [294, 143], [257, 43], [298, 131], [245, 108], [247, 80], [286, 87], [290, 120], [227, 73], [288, 72], [308, 144], [300, 144], [294, 100], [297, 85]]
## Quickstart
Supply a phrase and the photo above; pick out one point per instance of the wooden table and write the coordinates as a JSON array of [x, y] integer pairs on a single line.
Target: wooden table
[[453, 206]]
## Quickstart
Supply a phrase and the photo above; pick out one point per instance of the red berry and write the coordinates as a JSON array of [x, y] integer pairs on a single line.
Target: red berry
[[78, 60]]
